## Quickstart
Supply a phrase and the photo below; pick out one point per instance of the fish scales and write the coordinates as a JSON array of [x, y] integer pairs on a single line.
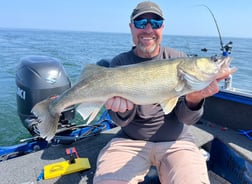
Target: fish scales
[[144, 83]]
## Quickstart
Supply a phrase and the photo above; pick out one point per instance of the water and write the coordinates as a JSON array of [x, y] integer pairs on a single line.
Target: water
[[76, 49]]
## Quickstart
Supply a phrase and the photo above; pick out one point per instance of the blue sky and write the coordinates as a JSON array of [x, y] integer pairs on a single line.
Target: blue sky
[[183, 17]]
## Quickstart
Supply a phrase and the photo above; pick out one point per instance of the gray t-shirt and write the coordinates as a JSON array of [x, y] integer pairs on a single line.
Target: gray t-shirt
[[148, 122]]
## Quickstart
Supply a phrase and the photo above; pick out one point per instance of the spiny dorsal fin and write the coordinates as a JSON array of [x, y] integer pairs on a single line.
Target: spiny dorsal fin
[[89, 69]]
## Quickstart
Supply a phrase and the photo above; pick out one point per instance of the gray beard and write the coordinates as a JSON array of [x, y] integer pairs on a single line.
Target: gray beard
[[149, 51]]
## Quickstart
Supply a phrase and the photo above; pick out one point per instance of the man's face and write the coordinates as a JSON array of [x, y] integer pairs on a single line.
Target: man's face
[[147, 40]]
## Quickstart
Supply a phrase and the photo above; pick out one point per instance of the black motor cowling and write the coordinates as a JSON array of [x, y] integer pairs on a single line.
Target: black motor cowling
[[38, 78]]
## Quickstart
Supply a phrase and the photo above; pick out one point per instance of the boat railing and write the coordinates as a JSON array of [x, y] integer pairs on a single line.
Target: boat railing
[[228, 87]]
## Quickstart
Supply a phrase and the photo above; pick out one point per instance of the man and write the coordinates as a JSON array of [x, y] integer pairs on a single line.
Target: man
[[147, 136]]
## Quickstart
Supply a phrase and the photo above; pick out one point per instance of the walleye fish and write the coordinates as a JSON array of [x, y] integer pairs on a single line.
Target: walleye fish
[[144, 83]]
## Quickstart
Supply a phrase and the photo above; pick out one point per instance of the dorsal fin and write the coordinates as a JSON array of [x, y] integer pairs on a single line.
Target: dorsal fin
[[89, 69]]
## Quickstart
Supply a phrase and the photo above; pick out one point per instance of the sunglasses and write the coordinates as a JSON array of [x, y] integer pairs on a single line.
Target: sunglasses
[[141, 24]]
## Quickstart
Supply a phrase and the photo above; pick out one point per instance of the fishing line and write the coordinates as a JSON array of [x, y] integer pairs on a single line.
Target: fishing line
[[226, 50], [216, 24]]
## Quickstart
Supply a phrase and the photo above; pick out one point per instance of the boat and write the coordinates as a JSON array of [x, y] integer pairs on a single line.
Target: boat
[[223, 134]]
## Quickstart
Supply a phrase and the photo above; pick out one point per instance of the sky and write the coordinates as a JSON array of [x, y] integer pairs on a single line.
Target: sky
[[182, 17]]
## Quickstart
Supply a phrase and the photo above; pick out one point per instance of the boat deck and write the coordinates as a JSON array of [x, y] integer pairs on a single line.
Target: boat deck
[[26, 169]]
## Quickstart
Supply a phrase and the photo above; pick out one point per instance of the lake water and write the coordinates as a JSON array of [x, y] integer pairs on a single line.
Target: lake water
[[76, 49]]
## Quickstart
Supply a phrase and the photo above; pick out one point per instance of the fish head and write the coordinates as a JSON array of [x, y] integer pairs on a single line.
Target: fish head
[[199, 72]]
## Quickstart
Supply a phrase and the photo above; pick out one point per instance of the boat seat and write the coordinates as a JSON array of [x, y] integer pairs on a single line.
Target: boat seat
[[239, 143]]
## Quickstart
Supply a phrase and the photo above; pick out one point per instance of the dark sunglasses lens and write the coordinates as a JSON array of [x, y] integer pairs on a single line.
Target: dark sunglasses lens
[[140, 24], [156, 24]]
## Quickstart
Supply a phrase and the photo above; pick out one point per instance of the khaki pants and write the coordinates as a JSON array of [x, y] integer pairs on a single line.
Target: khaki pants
[[128, 161]]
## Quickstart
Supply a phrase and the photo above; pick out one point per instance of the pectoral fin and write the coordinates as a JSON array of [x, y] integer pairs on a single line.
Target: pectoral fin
[[180, 86], [89, 111], [169, 105]]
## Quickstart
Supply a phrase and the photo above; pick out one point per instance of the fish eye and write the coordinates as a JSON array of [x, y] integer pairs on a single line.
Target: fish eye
[[215, 58]]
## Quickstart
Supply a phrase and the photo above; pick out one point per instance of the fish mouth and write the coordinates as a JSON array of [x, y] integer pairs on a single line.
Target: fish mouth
[[223, 64], [218, 63], [222, 61]]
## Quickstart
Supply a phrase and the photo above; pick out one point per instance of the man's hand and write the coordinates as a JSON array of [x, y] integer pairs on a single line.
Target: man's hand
[[119, 104]]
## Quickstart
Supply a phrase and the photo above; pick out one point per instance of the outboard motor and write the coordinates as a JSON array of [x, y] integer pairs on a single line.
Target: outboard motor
[[38, 78]]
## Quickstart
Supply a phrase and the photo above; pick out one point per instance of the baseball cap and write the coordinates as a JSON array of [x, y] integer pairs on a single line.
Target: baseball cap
[[146, 7]]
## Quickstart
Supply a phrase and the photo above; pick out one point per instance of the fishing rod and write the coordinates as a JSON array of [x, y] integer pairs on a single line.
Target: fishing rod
[[226, 49]]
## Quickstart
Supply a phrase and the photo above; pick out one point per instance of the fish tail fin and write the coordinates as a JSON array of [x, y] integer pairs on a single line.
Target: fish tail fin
[[47, 121]]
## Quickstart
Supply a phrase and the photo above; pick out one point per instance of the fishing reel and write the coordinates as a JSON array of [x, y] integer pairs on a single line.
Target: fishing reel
[[226, 49]]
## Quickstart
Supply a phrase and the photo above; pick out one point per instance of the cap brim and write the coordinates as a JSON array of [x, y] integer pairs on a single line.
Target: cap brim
[[143, 12]]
